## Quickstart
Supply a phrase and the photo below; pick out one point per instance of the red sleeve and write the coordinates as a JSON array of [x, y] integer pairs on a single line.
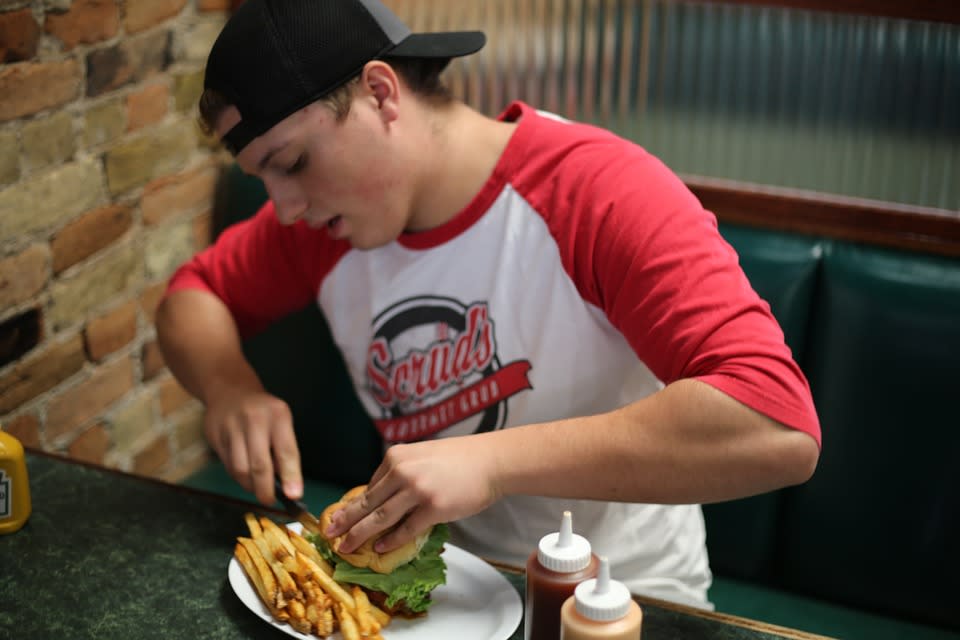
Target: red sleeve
[[639, 245], [261, 270]]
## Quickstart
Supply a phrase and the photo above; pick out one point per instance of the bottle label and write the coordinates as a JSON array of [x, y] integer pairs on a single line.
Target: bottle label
[[6, 494]]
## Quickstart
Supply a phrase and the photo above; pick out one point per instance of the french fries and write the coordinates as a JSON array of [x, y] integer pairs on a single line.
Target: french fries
[[296, 584]]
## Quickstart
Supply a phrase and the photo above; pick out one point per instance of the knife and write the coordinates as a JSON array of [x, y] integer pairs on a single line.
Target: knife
[[297, 509]]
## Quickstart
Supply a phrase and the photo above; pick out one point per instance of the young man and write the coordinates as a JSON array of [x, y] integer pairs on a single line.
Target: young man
[[537, 314]]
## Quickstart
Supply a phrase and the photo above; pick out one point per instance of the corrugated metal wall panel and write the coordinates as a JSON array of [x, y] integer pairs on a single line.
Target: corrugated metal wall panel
[[853, 105]]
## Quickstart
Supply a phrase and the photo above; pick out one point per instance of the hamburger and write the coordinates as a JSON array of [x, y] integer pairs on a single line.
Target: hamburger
[[398, 581]]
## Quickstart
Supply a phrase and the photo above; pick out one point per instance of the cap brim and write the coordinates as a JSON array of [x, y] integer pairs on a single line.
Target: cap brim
[[450, 44]]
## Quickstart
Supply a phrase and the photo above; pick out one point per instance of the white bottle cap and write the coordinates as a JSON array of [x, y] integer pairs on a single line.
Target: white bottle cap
[[564, 551], [602, 599]]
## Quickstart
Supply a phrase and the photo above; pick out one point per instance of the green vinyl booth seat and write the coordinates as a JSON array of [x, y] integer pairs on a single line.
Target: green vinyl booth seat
[[877, 528], [869, 547]]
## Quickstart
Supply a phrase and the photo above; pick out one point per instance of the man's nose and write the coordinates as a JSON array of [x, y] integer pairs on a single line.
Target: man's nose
[[289, 204]]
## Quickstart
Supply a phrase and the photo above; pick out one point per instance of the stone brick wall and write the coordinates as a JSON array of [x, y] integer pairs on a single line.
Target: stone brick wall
[[106, 186]]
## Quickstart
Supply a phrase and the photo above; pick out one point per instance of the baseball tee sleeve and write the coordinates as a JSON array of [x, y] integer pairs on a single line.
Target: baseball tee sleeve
[[638, 244], [260, 269]]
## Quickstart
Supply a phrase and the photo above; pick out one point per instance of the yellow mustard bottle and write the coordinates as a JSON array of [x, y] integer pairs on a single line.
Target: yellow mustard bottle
[[14, 486]]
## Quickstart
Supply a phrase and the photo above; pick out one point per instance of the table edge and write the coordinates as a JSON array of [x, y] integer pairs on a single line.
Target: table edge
[[726, 618]]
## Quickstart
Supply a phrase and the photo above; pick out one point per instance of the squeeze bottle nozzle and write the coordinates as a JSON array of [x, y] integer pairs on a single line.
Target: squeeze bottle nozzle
[[564, 551], [602, 598]]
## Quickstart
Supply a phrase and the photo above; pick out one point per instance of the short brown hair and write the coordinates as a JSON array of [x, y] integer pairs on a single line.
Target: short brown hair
[[421, 75]]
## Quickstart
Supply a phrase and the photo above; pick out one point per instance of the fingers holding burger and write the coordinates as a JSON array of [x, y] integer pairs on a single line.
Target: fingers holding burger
[[365, 556], [400, 579]]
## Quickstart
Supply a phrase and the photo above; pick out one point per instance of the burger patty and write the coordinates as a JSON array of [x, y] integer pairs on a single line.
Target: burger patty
[[379, 598]]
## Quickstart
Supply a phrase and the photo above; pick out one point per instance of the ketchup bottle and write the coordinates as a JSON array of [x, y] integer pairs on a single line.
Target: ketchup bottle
[[601, 609], [561, 561]]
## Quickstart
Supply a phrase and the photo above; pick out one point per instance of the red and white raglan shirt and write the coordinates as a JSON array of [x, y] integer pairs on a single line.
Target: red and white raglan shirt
[[583, 276]]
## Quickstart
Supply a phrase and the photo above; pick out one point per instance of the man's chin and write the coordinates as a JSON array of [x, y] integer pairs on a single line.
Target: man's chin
[[366, 244]]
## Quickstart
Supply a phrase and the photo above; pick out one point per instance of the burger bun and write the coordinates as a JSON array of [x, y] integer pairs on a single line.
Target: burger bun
[[364, 556]]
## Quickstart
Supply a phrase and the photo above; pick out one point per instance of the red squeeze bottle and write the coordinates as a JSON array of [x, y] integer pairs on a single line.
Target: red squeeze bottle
[[561, 561]]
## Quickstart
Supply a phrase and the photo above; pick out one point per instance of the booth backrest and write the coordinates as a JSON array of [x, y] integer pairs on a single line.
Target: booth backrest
[[878, 336], [884, 505], [877, 333]]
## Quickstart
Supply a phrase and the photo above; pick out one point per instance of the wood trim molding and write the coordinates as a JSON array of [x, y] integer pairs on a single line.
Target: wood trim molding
[[727, 618], [898, 226], [928, 10]]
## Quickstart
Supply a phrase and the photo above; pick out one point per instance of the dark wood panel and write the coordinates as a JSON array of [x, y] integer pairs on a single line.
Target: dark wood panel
[[930, 10], [881, 223]]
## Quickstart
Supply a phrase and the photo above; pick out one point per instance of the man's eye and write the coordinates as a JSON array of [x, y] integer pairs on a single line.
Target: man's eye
[[297, 166]]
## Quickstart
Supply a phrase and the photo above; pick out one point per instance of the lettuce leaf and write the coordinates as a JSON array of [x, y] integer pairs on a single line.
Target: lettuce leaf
[[411, 583]]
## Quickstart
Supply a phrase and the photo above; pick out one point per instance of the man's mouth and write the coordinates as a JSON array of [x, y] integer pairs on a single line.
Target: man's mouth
[[321, 223], [335, 227]]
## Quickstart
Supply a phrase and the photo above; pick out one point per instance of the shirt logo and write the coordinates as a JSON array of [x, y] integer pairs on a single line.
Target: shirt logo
[[433, 363]]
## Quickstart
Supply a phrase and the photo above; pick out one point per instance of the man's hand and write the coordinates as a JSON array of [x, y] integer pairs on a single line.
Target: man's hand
[[419, 485], [252, 433], [251, 430]]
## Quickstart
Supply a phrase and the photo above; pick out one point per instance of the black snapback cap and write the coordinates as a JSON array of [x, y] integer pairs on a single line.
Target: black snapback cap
[[274, 57]]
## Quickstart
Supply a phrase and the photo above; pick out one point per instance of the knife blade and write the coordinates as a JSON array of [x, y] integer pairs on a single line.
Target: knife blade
[[297, 509]]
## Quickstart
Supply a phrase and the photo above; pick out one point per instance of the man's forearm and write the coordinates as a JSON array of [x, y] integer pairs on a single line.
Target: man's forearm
[[688, 443], [201, 345]]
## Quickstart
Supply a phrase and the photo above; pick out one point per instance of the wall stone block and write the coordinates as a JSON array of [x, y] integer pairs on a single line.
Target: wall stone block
[[132, 60], [104, 122], [161, 150], [29, 87], [150, 299], [154, 458], [9, 158], [23, 276], [79, 404], [88, 234], [168, 248], [188, 429], [25, 428], [50, 198], [111, 331], [187, 88], [143, 14], [40, 372], [132, 421], [91, 445], [147, 106], [19, 35], [187, 463], [93, 286], [193, 44], [85, 22], [48, 141], [180, 194]]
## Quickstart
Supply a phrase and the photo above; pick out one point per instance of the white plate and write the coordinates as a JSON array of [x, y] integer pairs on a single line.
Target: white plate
[[476, 603]]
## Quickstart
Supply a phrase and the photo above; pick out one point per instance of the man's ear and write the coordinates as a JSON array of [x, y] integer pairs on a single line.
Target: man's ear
[[381, 83]]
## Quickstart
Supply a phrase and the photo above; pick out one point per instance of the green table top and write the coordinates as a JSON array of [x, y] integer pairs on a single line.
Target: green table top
[[110, 555]]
